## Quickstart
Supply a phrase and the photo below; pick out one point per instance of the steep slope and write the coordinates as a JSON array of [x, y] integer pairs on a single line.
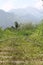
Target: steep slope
[[37, 36], [20, 50]]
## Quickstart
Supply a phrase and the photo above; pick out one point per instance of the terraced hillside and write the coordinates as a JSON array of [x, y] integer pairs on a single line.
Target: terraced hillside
[[22, 47]]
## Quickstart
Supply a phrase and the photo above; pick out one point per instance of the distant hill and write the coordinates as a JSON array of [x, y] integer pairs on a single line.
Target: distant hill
[[28, 14], [7, 19], [21, 15]]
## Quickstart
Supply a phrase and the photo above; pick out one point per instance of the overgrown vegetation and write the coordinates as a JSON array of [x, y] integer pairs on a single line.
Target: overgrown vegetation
[[23, 44]]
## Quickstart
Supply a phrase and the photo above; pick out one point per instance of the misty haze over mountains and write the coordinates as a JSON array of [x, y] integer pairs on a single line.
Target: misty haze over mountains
[[28, 14]]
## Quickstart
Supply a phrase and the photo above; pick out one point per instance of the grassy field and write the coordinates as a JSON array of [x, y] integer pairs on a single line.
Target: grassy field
[[22, 46]]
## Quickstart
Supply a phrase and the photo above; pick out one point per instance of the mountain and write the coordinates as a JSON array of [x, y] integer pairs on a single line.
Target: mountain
[[23, 15], [7, 19], [28, 14]]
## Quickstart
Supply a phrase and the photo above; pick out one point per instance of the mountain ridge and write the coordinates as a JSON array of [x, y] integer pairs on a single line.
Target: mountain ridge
[[20, 15]]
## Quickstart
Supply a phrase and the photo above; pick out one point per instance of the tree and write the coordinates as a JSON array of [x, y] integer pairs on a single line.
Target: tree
[[16, 24]]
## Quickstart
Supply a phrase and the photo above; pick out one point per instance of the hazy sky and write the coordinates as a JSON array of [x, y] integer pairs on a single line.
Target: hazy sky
[[14, 4]]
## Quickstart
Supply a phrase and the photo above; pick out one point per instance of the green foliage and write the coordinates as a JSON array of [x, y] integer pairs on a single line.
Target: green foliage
[[38, 34], [23, 44]]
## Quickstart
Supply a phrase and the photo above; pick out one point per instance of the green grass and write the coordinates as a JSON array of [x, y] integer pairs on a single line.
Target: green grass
[[22, 45]]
